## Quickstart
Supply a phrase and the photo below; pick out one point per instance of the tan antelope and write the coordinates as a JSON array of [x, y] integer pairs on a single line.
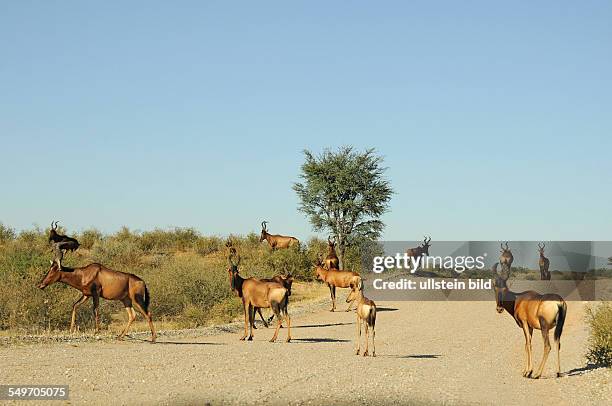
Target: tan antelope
[[331, 260], [257, 294], [335, 278], [287, 282], [97, 281], [532, 310], [366, 312], [506, 258], [421, 250], [544, 263], [277, 241]]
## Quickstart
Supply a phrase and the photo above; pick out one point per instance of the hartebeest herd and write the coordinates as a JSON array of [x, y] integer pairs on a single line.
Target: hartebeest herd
[[529, 309]]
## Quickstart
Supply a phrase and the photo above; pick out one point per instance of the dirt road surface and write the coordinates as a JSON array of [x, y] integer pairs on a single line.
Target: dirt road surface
[[428, 352]]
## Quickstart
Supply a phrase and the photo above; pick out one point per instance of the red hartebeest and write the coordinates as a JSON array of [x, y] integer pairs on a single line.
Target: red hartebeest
[[532, 310], [506, 258], [331, 260], [277, 241], [422, 249], [257, 294], [97, 281], [366, 312], [335, 278], [61, 244], [544, 264]]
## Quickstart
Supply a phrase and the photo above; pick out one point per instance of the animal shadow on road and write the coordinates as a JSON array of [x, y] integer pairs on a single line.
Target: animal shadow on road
[[414, 356], [172, 342], [322, 325], [319, 340], [386, 309], [582, 370]]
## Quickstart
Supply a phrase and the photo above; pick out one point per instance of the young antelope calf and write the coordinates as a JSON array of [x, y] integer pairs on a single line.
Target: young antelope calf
[[366, 311]]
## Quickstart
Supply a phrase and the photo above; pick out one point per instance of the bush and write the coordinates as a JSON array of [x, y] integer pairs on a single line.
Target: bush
[[600, 341], [6, 233]]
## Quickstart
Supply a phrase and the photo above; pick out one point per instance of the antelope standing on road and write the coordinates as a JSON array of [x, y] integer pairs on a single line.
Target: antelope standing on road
[[331, 260], [277, 241], [61, 244], [532, 310], [366, 312], [544, 263], [257, 294], [335, 278], [97, 281]]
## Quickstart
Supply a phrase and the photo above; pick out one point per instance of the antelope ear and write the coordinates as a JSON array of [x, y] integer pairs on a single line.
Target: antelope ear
[[50, 262]]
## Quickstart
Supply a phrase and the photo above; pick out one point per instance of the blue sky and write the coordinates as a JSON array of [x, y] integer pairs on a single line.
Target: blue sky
[[494, 118]]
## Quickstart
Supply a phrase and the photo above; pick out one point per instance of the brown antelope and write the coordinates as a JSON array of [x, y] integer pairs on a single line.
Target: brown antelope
[[61, 244], [275, 240], [331, 260], [287, 282], [335, 278], [257, 294], [532, 310], [366, 311], [97, 281], [422, 249], [544, 263], [506, 258]]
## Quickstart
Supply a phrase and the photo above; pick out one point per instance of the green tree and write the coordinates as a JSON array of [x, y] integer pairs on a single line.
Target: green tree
[[344, 192]]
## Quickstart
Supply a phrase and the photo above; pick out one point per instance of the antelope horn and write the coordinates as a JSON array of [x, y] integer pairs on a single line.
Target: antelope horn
[[52, 228], [428, 241], [329, 241], [56, 223], [263, 225], [507, 245]]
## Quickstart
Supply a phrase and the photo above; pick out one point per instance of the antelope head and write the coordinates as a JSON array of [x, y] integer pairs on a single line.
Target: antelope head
[[53, 275], [426, 245], [264, 231], [331, 244], [505, 251], [541, 248], [53, 231]]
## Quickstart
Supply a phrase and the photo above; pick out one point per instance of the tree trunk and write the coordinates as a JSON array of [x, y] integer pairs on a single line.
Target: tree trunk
[[341, 250]]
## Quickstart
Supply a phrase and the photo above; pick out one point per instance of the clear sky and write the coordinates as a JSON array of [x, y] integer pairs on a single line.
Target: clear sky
[[494, 118]]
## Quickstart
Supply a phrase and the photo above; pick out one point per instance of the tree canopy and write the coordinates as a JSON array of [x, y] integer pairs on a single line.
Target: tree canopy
[[344, 192]]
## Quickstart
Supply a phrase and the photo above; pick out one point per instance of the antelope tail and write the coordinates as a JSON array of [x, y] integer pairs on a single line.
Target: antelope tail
[[561, 313], [372, 317], [146, 298]]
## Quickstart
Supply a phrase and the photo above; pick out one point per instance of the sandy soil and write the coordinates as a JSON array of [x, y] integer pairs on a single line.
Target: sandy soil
[[428, 352]]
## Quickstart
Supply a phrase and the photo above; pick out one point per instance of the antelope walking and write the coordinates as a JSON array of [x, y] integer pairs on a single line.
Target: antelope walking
[[506, 258], [422, 249], [277, 241], [61, 244], [544, 263], [366, 312], [257, 294], [532, 310], [331, 260], [335, 278], [97, 281]]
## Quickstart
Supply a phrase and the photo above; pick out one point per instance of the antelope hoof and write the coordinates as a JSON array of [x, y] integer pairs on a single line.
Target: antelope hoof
[[559, 374], [120, 337], [536, 376], [365, 353], [242, 338], [250, 338], [331, 310], [357, 352], [373, 354], [273, 340], [254, 327], [288, 340]]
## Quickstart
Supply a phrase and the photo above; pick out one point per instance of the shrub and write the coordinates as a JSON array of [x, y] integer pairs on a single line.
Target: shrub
[[600, 342], [6, 233]]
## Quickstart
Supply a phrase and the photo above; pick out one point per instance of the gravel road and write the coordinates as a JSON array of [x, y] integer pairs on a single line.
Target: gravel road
[[428, 352]]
